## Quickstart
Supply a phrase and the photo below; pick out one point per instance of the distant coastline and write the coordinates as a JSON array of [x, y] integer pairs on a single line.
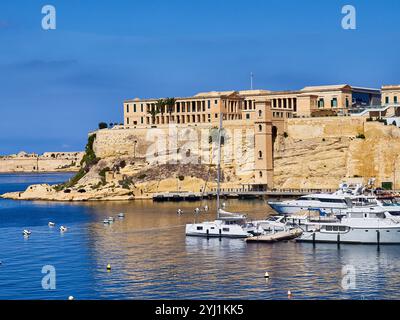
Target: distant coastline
[[47, 162]]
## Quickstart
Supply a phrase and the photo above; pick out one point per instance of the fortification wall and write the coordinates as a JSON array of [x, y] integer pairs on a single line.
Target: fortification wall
[[48, 162]]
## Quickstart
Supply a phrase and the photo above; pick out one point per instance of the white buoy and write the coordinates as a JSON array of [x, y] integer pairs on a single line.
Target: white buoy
[[26, 233], [63, 229], [51, 224], [121, 215], [197, 210], [206, 208], [71, 298], [289, 293], [266, 275]]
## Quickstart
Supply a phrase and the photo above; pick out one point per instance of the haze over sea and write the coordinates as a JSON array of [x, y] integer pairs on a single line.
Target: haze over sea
[[152, 259]]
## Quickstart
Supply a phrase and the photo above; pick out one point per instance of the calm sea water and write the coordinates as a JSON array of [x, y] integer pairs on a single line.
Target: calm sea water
[[152, 259]]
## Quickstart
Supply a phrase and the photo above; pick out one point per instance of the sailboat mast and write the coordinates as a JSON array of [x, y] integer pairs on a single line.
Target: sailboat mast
[[219, 163]]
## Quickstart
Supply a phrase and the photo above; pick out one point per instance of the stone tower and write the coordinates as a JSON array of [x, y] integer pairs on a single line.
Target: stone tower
[[263, 146]]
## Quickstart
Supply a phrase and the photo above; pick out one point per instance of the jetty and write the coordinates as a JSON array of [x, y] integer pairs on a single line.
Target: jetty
[[277, 236], [235, 194]]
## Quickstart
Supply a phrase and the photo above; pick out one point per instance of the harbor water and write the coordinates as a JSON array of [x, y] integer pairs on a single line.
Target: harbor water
[[151, 258]]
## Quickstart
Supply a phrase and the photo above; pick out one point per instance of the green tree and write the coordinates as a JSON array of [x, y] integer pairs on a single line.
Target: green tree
[[154, 111], [103, 125], [170, 102], [160, 104]]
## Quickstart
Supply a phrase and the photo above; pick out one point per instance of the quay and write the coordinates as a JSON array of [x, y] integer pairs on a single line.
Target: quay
[[235, 194]]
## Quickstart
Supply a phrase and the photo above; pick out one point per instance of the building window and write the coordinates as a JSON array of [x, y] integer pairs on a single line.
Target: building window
[[334, 103], [321, 103], [247, 115], [141, 107], [141, 120], [259, 113], [259, 127], [395, 99], [260, 154], [216, 102], [127, 108], [386, 100], [209, 104], [260, 174], [347, 102], [134, 107], [127, 120]]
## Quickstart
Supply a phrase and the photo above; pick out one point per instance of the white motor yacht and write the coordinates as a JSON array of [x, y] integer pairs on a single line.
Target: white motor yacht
[[357, 225]]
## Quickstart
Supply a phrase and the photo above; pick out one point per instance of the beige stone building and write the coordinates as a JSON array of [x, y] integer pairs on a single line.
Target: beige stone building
[[264, 110], [390, 95], [239, 105]]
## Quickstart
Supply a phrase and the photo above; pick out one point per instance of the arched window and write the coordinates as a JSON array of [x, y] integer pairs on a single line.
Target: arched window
[[260, 154], [259, 113], [260, 173], [260, 127]]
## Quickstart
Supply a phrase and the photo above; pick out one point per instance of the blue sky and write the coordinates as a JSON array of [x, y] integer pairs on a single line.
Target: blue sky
[[57, 85]]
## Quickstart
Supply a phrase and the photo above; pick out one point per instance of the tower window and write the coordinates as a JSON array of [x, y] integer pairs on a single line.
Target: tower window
[[260, 127], [259, 113], [260, 154], [260, 174]]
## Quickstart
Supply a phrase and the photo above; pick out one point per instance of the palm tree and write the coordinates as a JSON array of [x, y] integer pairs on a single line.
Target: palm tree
[[154, 111], [170, 102], [161, 105]]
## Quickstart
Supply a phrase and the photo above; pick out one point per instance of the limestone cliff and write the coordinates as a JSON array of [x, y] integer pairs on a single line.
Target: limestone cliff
[[321, 153], [315, 153]]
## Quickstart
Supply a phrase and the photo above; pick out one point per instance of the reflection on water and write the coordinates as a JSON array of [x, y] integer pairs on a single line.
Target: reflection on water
[[151, 257]]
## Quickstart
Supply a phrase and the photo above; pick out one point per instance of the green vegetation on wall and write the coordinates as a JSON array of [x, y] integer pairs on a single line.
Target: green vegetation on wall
[[88, 161]]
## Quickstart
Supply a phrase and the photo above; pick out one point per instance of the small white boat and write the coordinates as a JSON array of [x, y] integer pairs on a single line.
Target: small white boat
[[63, 229], [179, 212], [121, 215], [51, 224], [26, 233], [206, 208], [105, 221], [197, 210]]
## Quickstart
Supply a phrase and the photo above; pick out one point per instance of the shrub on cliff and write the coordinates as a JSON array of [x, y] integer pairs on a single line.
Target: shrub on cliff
[[103, 125], [88, 161], [102, 172]]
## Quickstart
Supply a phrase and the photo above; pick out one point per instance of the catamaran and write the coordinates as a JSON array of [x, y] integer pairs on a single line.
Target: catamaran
[[227, 224]]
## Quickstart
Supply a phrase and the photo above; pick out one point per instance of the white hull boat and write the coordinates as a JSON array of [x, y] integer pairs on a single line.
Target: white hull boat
[[358, 225]]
